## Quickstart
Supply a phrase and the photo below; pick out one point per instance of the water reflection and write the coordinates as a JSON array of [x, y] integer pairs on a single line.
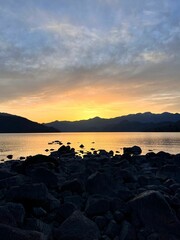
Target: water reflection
[[30, 144]]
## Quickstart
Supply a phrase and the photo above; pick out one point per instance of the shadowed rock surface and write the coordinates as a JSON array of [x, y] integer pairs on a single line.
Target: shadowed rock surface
[[95, 196]]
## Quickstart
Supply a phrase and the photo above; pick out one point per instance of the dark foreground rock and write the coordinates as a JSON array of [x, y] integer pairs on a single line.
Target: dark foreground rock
[[99, 196], [77, 226]]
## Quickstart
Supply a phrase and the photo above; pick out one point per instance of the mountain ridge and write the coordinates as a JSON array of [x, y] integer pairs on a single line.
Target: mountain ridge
[[10, 123], [133, 122]]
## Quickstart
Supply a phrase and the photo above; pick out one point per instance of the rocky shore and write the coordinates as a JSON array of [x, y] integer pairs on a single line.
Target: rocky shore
[[100, 196]]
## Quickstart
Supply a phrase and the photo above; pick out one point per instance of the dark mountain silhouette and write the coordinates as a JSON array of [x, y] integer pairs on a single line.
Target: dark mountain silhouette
[[140, 122], [16, 124]]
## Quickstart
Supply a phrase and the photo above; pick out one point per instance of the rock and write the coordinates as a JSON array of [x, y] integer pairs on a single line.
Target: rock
[[66, 150], [6, 217], [152, 210], [5, 174], [64, 211], [44, 175], [97, 205], [39, 212], [74, 186], [81, 146], [39, 159], [10, 156], [118, 216], [135, 150], [113, 229], [77, 227], [12, 181], [116, 204], [34, 224], [18, 212], [169, 171], [101, 222], [12, 233], [31, 195], [76, 200], [100, 183], [127, 232], [164, 155]]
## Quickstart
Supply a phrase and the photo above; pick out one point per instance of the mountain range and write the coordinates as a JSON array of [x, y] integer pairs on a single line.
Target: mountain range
[[15, 124], [140, 122]]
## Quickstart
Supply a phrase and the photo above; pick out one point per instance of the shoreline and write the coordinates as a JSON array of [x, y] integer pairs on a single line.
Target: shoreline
[[100, 196]]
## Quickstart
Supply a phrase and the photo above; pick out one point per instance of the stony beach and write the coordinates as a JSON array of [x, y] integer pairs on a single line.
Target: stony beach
[[97, 196]]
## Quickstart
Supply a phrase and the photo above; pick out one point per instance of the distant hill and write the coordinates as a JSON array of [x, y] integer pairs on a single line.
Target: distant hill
[[140, 122], [16, 124]]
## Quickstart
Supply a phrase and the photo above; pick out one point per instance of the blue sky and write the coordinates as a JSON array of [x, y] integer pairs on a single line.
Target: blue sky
[[98, 57]]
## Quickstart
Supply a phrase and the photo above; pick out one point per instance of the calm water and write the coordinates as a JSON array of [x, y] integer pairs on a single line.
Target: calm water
[[30, 144]]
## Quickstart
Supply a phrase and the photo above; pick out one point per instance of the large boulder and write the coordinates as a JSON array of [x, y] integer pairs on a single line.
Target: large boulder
[[135, 150], [151, 210], [12, 233], [37, 160], [33, 195], [77, 227]]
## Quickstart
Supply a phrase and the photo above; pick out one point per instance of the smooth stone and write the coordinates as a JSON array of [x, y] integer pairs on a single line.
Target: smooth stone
[[77, 227], [153, 211]]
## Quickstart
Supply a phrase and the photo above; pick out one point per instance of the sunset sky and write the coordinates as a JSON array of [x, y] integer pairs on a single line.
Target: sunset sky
[[77, 59]]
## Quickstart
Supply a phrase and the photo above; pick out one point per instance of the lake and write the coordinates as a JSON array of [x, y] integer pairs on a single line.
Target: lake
[[33, 143]]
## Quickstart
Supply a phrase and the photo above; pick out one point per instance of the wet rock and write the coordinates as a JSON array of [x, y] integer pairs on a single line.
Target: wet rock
[[153, 212], [12, 233], [77, 226]]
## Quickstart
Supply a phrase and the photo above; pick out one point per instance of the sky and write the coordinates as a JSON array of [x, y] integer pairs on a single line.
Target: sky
[[77, 59]]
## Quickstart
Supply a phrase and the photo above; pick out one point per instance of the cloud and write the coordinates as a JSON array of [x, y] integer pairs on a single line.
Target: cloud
[[59, 47]]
